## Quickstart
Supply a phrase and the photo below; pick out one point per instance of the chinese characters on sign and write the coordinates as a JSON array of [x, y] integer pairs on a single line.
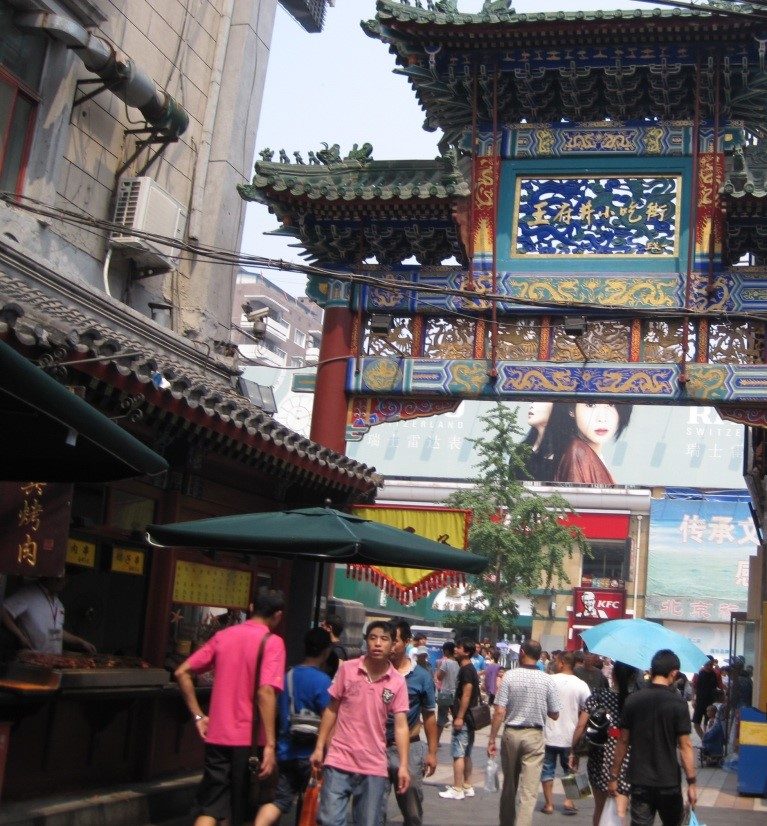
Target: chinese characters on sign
[[626, 215], [34, 523], [128, 561], [81, 553], [197, 584], [698, 564]]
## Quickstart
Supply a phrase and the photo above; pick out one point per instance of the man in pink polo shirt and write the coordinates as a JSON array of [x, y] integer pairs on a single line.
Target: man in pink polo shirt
[[363, 693], [228, 729]]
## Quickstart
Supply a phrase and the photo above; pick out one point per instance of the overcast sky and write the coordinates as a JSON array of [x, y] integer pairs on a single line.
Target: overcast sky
[[338, 87]]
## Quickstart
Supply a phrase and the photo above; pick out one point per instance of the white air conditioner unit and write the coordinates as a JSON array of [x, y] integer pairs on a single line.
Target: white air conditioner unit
[[145, 206]]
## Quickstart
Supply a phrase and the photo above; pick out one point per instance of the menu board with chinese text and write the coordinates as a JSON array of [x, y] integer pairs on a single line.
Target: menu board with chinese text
[[199, 584]]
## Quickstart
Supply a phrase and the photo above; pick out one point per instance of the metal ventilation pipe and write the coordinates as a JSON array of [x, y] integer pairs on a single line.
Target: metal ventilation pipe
[[124, 77]]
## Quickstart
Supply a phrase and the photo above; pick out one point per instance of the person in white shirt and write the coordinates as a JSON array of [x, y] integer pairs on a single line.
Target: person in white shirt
[[35, 616], [572, 693]]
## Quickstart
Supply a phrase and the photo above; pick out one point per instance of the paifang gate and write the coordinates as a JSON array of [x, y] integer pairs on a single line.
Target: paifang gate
[[600, 192]]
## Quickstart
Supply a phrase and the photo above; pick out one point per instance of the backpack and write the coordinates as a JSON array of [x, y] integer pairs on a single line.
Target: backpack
[[339, 651], [597, 727], [304, 725]]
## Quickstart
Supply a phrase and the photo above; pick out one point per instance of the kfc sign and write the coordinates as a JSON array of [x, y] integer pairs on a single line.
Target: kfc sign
[[590, 607], [593, 605]]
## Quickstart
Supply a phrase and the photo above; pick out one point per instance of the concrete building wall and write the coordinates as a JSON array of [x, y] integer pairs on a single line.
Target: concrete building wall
[[211, 57]]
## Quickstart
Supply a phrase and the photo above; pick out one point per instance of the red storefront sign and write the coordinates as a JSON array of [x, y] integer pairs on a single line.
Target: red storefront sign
[[34, 527], [590, 607], [607, 526]]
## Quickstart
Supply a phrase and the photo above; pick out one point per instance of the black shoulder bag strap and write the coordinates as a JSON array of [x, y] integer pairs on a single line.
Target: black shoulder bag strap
[[253, 760]]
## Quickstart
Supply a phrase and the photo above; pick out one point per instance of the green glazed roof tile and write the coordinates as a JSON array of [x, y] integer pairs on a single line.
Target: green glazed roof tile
[[349, 180]]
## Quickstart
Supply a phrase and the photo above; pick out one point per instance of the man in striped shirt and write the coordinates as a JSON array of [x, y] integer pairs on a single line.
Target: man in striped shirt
[[525, 699]]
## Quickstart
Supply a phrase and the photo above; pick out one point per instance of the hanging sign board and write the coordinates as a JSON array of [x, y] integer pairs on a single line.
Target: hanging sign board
[[34, 527]]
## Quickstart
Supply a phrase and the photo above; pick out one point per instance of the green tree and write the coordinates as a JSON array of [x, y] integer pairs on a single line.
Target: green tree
[[519, 531]]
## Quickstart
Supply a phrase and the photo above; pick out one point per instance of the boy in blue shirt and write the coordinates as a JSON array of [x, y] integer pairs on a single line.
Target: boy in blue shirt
[[310, 691]]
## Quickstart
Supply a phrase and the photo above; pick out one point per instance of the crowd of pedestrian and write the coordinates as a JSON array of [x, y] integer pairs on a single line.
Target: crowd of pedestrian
[[371, 723]]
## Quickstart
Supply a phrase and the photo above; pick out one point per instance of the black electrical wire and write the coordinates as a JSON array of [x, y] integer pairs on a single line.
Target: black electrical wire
[[225, 257]]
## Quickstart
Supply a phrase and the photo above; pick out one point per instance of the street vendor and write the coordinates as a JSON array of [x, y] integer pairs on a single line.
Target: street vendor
[[35, 617]]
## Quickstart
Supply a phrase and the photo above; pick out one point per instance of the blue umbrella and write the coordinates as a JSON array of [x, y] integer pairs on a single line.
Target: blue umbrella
[[635, 642]]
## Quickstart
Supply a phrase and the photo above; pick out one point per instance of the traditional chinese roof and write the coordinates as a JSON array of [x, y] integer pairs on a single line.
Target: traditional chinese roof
[[623, 64], [170, 396], [744, 197], [345, 210]]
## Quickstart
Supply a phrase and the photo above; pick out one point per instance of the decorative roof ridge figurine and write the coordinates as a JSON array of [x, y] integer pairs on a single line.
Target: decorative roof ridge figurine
[[328, 156], [363, 154]]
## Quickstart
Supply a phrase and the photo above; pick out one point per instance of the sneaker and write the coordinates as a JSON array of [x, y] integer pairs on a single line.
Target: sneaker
[[451, 793], [468, 791]]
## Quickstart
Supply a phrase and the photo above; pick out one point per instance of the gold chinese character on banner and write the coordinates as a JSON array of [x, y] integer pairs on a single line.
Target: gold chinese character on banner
[[28, 551], [36, 488], [30, 514]]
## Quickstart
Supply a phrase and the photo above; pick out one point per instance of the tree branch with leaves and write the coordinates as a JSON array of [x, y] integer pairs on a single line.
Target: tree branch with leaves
[[518, 530]]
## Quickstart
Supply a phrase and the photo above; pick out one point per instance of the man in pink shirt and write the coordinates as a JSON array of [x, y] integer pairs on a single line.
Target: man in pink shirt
[[228, 728], [363, 693]]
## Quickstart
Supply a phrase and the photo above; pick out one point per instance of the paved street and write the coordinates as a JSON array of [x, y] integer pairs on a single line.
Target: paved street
[[719, 803]]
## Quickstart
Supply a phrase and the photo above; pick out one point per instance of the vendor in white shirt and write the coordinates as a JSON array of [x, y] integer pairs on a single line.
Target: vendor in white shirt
[[35, 617]]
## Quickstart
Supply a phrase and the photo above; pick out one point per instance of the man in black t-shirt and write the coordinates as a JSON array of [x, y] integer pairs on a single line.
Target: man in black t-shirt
[[466, 696], [655, 722]]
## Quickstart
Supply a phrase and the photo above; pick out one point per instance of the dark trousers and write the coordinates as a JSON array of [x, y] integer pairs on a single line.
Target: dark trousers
[[647, 801]]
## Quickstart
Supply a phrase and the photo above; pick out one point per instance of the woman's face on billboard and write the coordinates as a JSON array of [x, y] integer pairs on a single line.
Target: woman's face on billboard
[[596, 423], [538, 414]]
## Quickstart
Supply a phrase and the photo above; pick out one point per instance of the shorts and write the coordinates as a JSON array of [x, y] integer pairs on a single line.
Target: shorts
[[442, 715], [461, 744], [550, 762], [223, 789], [292, 780]]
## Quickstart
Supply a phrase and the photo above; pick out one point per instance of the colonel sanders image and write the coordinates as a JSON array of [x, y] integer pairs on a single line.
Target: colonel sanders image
[[589, 607]]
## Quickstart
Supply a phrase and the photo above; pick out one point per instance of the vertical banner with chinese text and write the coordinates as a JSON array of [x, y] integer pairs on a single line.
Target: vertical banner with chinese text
[[34, 527], [486, 170], [699, 557]]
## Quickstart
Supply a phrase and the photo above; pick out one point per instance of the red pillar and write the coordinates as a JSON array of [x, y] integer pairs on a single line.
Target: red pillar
[[329, 413]]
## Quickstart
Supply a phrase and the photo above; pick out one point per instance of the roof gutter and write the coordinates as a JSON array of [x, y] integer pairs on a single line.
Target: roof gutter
[[120, 74]]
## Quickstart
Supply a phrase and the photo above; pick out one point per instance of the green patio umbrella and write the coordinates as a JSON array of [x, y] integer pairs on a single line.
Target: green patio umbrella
[[49, 434], [320, 534]]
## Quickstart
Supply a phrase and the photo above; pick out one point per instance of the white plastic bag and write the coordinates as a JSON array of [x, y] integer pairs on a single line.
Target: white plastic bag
[[491, 775], [610, 815]]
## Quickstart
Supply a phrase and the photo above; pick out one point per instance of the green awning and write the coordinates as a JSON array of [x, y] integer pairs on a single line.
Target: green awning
[[48, 434], [318, 534]]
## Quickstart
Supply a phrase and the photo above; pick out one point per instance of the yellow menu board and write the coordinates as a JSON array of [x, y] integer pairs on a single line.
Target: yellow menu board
[[128, 561], [198, 584], [81, 553]]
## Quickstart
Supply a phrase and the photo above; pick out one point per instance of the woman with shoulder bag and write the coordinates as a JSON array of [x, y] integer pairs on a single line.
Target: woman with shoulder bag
[[605, 702]]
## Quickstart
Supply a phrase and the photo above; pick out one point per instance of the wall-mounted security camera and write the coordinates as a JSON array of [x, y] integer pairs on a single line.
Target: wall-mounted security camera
[[254, 313]]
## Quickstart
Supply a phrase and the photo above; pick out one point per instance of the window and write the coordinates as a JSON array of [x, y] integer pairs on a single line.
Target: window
[[299, 338], [21, 61], [296, 362], [608, 560]]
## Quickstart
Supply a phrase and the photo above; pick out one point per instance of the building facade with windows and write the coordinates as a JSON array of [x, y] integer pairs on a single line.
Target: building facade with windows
[[287, 335]]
